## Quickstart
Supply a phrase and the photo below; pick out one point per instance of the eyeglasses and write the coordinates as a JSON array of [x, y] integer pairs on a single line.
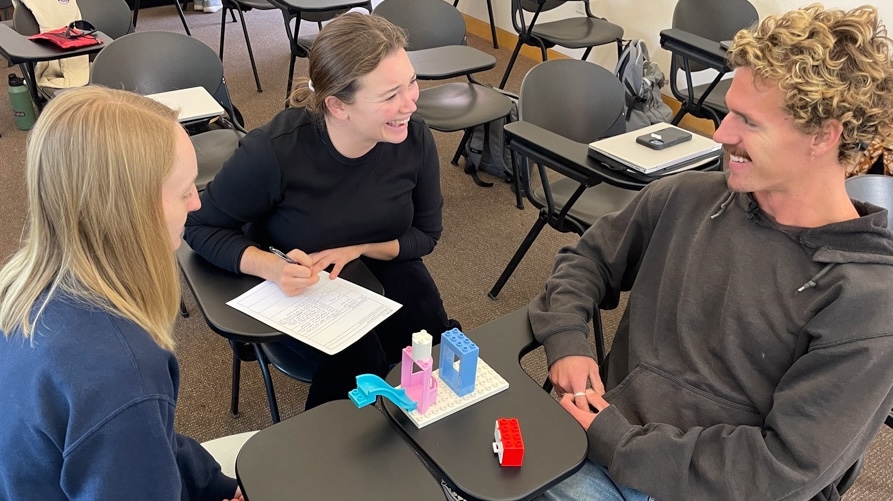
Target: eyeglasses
[[79, 29]]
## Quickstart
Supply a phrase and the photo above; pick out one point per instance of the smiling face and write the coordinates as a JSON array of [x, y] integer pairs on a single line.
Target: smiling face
[[381, 107], [767, 153], [178, 193]]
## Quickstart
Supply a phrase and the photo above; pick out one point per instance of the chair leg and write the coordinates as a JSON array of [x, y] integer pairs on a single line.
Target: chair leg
[[586, 54], [519, 254], [492, 24], [268, 382], [182, 17], [250, 52], [291, 76], [508, 69], [183, 311], [227, 6], [461, 149], [236, 379]]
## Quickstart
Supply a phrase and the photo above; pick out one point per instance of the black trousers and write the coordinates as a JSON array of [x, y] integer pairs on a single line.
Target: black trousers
[[406, 282]]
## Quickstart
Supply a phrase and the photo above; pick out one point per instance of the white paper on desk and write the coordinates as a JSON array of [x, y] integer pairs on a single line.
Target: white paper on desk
[[329, 316]]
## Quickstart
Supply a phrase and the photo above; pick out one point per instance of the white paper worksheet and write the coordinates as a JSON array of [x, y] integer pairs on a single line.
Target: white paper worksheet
[[330, 316]]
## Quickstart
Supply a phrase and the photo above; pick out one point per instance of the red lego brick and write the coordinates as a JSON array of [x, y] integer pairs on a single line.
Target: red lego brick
[[508, 445]]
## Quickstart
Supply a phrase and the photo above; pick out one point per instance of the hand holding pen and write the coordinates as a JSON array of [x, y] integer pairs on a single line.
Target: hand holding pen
[[297, 273]]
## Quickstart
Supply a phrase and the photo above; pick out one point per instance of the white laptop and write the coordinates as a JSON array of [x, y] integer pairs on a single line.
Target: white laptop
[[624, 150], [194, 103]]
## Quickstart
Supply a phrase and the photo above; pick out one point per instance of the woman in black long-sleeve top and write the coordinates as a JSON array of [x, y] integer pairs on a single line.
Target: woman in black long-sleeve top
[[344, 174]]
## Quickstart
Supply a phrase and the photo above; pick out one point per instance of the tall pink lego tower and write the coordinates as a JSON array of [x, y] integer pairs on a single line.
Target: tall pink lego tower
[[420, 385]]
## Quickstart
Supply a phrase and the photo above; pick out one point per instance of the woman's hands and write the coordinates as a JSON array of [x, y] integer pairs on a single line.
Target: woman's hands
[[291, 277], [302, 272], [337, 258]]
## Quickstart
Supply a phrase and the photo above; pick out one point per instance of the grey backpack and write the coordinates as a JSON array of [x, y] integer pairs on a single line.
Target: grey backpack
[[485, 150], [642, 80]]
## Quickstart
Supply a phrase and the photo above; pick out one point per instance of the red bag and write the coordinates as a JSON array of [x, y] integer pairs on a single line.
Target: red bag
[[75, 35]]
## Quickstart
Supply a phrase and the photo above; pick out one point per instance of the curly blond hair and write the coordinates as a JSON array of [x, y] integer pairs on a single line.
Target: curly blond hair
[[831, 65]]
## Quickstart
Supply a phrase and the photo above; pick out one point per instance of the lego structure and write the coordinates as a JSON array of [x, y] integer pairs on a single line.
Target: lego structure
[[467, 379], [420, 385], [508, 445]]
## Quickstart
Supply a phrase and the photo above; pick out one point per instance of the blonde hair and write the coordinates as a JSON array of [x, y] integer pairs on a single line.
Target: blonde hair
[[96, 161], [830, 65], [349, 47]]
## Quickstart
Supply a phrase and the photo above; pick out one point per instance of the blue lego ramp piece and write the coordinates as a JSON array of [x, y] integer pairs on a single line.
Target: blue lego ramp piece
[[370, 386]]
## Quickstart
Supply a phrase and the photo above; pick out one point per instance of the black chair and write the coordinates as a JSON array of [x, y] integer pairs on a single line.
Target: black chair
[[714, 22], [437, 48], [159, 61], [241, 6], [566, 100], [580, 32], [295, 11], [251, 339], [492, 22]]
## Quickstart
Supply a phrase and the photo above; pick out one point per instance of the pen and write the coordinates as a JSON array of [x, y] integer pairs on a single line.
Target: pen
[[281, 254]]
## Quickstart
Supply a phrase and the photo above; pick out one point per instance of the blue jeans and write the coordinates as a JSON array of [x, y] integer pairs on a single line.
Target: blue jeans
[[593, 484]]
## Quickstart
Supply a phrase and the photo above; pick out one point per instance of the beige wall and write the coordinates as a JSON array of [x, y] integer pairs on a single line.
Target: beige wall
[[644, 26]]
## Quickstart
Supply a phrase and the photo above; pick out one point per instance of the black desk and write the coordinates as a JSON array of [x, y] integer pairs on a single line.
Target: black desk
[[213, 287], [17, 49], [448, 61], [541, 145], [334, 451], [459, 445]]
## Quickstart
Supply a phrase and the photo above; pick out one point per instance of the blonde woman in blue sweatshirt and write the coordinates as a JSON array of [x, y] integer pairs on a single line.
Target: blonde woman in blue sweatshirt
[[87, 306]]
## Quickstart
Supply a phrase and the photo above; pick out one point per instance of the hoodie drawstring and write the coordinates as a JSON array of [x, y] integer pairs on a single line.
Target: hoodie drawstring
[[820, 274], [724, 206]]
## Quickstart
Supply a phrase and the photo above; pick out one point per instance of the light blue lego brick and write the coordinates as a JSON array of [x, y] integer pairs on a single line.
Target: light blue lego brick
[[453, 343]]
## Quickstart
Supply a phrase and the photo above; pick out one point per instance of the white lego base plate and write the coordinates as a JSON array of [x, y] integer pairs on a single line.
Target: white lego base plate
[[487, 382]]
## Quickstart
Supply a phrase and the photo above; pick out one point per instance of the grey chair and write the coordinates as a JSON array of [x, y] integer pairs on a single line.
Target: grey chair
[[455, 106], [111, 17], [242, 6], [578, 32], [716, 22], [875, 189], [580, 102], [159, 61]]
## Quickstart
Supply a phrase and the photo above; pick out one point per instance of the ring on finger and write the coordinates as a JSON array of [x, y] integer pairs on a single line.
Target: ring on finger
[[580, 394]]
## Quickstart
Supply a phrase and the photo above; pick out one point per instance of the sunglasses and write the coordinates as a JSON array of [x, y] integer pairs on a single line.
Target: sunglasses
[[79, 29]]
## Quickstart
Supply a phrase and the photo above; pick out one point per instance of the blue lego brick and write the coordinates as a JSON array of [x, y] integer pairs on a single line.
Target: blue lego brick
[[454, 345]]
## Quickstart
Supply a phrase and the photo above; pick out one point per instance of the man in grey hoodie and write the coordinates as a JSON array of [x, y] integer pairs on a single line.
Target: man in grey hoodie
[[755, 356]]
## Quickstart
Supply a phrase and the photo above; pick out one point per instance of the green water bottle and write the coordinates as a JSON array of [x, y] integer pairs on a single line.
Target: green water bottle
[[22, 106]]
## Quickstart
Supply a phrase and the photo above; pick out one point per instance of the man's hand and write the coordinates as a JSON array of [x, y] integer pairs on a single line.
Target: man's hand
[[571, 374], [338, 257], [584, 416]]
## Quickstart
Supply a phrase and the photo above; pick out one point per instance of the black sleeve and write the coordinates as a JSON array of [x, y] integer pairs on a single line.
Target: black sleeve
[[246, 188], [427, 220]]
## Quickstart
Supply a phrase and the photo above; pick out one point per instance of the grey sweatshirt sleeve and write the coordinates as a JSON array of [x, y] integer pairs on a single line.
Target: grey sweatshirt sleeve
[[817, 426], [589, 274]]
